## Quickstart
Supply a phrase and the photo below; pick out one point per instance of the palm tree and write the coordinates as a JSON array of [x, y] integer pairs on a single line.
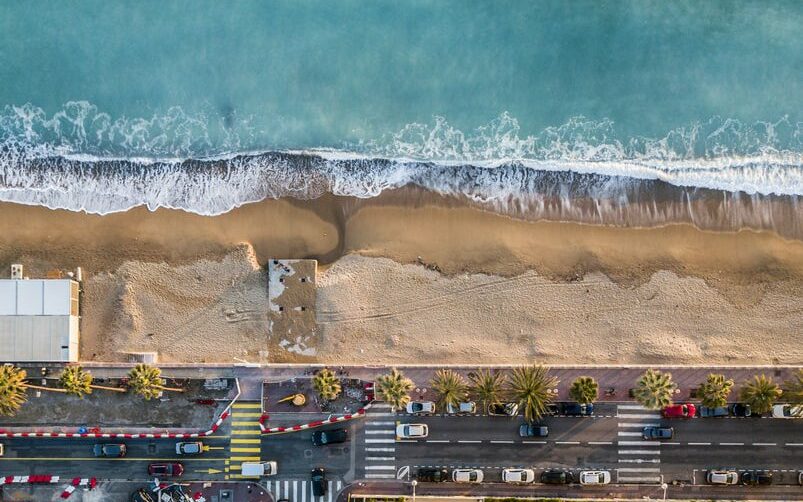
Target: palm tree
[[394, 388], [531, 387], [12, 389], [488, 387], [147, 381], [760, 393], [584, 389], [793, 388], [450, 386], [715, 390], [78, 381], [326, 384], [654, 390]]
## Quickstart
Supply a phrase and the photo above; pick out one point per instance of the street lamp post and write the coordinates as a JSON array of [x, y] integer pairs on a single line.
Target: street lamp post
[[413, 483], [664, 486]]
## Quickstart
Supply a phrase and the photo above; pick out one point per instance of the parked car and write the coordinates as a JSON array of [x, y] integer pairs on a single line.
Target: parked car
[[800, 478], [109, 450], [787, 411], [172, 469], [432, 475], [552, 409], [321, 438], [756, 478], [740, 410], [504, 409], [141, 495], [720, 411], [465, 408], [578, 409], [722, 477], [595, 477], [518, 475], [412, 431], [259, 469], [467, 476], [189, 448], [420, 407], [557, 477], [318, 478], [685, 410], [657, 433], [533, 431]]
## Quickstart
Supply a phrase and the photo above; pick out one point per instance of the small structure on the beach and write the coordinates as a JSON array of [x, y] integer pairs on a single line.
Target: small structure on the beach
[[291, 304], [39, 318]]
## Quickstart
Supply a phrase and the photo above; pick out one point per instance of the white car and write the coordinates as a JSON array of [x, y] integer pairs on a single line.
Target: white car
[[787, 411], [412, 431], [722, 477], [467, 408], [467, 476], [595, 477], [420, 407], [518, 475]]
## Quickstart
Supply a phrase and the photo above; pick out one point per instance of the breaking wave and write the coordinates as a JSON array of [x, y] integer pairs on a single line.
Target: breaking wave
[[83, 160]]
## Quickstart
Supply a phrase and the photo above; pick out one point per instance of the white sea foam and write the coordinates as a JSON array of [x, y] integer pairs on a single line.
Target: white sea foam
[[82, 160]]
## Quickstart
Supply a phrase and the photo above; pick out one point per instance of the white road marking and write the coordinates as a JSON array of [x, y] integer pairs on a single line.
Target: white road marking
[[699, 444], [794, 444], [731, 444], [623, 433], [534, 442], [386, 422], [468, 441], [287, 488], [647, 444], [600, 442], [380, 431], [639, 452], [371, 441], [639, 460], [295, 489], [670, 443], [304, 492], [502, 442], [380, 468], [639, 416], [639, 469], [631, 407], [379, 459], [639, 479], [381, 414], [437, 440], [567, 442], [329, 490], [372, 475], [638, 424], [764, 444], [376, 406], [380, 449]]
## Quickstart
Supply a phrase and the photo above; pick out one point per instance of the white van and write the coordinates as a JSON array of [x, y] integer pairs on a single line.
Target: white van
[[258, 469]]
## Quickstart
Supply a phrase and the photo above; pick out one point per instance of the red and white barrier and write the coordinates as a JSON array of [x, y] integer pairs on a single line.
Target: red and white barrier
[[124, 435], [91, 483], [311, 425], [32, 479]]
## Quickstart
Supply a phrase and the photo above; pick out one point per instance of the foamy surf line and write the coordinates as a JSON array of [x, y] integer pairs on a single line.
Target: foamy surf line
[[757, 192]]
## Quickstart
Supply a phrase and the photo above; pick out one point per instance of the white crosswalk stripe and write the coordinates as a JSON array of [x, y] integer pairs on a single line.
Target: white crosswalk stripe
[[634, 452], [379, 466]]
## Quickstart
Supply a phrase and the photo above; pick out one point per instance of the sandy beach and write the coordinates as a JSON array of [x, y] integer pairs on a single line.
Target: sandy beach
[[411, 278]]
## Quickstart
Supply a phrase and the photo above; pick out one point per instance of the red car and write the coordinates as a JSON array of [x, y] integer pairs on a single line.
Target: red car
[[167, 470], [685, 410]]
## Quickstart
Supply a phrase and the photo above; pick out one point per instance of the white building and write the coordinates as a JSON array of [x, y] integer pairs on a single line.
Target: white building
[[38, 320]]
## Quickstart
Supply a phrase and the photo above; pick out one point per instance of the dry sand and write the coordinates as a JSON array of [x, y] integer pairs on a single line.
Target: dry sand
[[461, 285]]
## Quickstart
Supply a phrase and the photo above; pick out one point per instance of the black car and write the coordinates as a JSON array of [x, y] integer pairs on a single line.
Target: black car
[[109, 450], [741, 410], [577, 409], [756, 478], [652, 432], [432, 475], [504, 409], [320, 438], [318, 478], [557, 477], [533, 431]]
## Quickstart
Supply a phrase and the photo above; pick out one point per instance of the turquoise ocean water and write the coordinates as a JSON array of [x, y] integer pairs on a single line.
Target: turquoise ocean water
[[207, 105]]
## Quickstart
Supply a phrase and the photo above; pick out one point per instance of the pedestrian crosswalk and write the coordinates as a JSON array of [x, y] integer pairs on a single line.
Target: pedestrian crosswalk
[[379, 443], [244, 445], [300, 490], [639, 459]]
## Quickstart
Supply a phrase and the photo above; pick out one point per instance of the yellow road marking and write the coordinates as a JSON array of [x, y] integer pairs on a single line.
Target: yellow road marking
[[247, 405], [246, 459], [236, 467], [227, 461], [251, 423], [240, 476], [245, 450], [247, 433], [246, 414], [206, 448], [209, 471], [246, 441]]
